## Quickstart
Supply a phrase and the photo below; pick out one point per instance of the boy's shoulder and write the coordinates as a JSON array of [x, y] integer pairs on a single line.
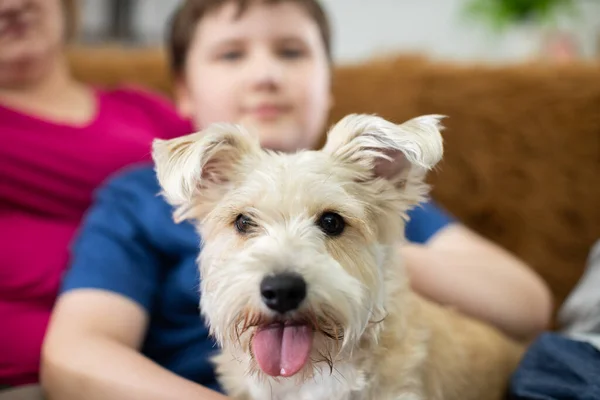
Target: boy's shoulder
[[136, 184], [136, 177], [133, 197]]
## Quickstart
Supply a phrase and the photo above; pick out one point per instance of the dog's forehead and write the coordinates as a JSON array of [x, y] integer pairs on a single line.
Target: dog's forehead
[[294, 183], [315, 163], [286, 173]]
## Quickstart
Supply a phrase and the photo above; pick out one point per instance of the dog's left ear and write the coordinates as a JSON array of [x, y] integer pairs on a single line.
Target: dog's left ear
[[384, 149], [199, 167]]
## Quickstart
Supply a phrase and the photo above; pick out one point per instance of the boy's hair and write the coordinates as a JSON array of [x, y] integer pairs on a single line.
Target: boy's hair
[[190, 13]]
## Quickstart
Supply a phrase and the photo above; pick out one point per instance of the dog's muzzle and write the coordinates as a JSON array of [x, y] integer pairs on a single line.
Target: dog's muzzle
[[282, 346]]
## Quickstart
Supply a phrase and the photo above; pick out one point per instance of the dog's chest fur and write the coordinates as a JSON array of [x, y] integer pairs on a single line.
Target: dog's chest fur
[[345, 383]]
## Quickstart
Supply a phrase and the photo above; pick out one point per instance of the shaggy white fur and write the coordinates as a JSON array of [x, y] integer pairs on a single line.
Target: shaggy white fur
[[334, 219]]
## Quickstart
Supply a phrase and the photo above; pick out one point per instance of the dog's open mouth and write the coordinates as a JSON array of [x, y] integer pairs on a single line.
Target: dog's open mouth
[[282, 348]]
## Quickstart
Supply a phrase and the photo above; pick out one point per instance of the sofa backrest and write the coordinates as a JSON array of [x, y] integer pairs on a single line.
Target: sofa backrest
[[522, 143]]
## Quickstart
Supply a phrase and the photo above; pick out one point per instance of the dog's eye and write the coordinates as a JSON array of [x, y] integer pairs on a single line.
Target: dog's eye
[[243, 223], [331, 223]]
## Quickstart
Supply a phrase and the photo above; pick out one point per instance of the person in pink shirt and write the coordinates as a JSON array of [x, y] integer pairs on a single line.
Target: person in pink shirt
[[60, 140]]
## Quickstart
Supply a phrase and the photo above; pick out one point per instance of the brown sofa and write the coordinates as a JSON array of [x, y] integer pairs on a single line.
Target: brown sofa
[[522, 157]]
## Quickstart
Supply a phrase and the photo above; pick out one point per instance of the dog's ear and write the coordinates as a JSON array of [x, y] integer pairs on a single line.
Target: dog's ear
[[384, 149], [201, 164]]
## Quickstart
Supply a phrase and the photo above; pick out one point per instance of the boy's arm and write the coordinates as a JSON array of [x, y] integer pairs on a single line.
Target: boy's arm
[[92, 352], [92, 346], [455, 266]]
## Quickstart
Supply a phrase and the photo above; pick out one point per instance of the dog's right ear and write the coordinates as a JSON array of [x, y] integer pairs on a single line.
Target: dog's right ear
[[201, 166], [385, 149]]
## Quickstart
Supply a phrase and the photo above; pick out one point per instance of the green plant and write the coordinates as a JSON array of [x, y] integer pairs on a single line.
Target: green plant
[[502, 13]]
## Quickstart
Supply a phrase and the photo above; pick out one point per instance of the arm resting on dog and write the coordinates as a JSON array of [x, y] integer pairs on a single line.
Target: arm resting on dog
[[459, 268], [91, 352]]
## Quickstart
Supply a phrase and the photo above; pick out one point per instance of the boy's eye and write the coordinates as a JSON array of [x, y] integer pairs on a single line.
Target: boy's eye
[[231, 55], [291, 53]]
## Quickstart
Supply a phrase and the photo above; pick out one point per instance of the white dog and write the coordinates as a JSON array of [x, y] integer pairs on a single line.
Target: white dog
[[302, 284]]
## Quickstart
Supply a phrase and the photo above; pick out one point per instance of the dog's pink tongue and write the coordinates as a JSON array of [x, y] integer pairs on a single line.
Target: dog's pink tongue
[[282, 350]]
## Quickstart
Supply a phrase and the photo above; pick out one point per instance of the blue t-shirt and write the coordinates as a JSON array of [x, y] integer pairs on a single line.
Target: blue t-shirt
[[129, 244]]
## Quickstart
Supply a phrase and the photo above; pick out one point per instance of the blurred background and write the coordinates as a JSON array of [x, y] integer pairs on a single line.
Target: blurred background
[[494, 31]]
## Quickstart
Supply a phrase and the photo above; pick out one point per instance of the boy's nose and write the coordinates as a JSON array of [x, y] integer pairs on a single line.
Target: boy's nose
[[266, 73]]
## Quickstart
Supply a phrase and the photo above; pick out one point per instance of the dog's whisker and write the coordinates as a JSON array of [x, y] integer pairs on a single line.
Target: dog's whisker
[[379, 321], [338, 376]]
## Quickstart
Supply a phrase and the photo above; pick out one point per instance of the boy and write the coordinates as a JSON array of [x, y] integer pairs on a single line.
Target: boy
[[127, 325]]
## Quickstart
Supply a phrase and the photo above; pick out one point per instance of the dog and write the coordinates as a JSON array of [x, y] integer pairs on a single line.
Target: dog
[[302, 282]]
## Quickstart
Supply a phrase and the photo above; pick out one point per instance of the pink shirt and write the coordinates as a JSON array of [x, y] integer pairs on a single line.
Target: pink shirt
[[48, 173]]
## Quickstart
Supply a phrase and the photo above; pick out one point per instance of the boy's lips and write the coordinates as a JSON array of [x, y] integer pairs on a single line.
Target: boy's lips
[[268, 110]]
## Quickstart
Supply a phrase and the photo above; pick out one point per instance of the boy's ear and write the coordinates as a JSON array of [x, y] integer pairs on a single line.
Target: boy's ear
[[197, 170], [384, 149]]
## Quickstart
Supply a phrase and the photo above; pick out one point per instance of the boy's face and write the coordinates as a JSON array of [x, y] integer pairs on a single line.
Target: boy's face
[[267, 70]]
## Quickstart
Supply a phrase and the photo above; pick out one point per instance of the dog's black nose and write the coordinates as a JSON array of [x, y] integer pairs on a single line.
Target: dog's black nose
[[283, 292]]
